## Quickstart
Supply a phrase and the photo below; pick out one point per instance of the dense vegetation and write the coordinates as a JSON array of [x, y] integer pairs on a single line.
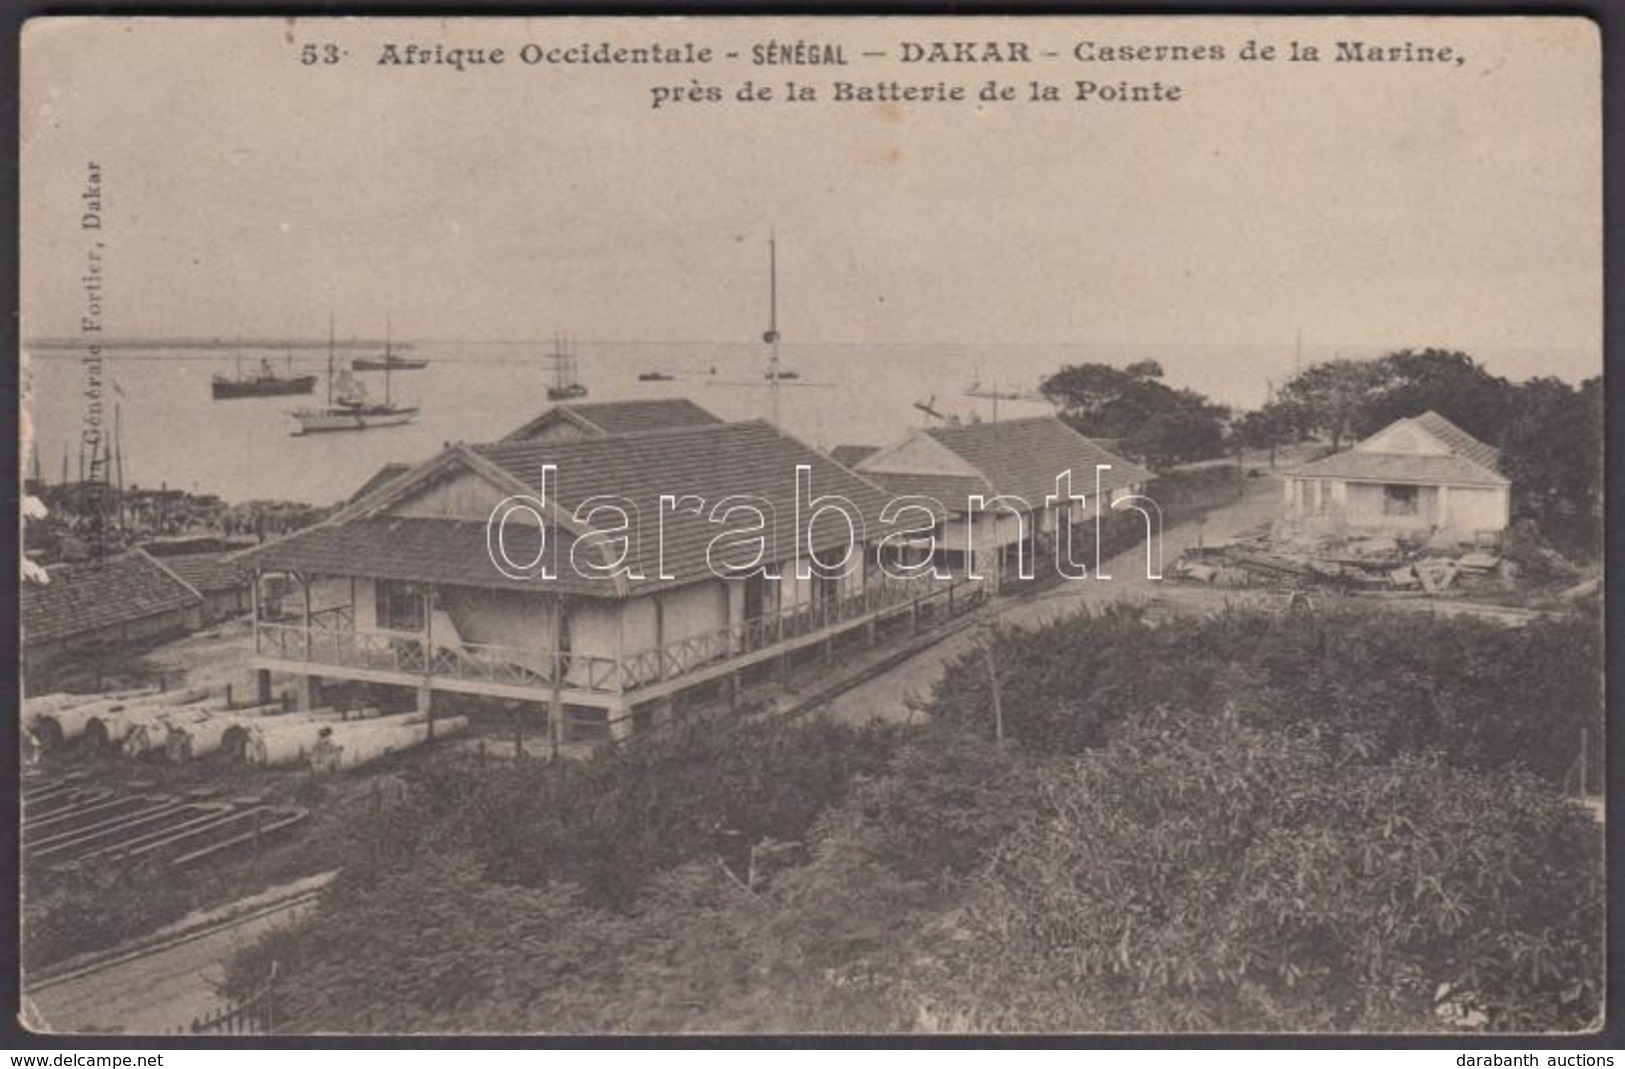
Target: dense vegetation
[[1347, 821]]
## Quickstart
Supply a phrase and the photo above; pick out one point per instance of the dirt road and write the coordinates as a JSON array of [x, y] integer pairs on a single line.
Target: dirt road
[[160, 991], [888, 696]]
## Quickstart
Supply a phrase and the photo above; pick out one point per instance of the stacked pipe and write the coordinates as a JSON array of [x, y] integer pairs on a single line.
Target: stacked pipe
[[348, 745]]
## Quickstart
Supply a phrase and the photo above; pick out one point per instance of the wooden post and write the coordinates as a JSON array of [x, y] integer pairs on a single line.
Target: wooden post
[[230, 704], [426, 689], [254, 607], [736, 685], [660, 638], [555, 701], [304, 586], [993, 686]]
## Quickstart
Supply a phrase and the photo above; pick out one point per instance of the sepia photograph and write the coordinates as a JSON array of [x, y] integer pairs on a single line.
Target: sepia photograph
[[811, 526]]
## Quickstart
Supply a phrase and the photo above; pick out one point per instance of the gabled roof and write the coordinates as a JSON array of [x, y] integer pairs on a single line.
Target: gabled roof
[[619, 417], [848, 455], [207, 572], [1024, 456], [711, 461], [387, 473], [1458, 441], [1469, 462], [1399, 468], [953, 491], [451, 552], [91, 596]]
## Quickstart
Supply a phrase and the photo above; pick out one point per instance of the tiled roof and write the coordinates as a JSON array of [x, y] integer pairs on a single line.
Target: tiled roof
[[1399, 468], [1469, 463], [1023, 457], [1459, 441], [621, 417], [207, 572], [712, 462], [453, 552], [81, 598], [953, 491], [848, 455], [387, 473]]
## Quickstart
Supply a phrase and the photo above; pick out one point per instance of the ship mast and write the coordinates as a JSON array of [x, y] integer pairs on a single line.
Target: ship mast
[[772, 335], [388, 360], [330, 359]]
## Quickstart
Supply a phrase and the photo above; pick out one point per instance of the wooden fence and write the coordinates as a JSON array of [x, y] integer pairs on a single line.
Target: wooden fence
[[253, 1016]]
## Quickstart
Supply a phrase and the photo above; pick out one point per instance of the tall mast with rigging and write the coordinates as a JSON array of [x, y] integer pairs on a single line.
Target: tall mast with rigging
[[772, 335], [330, 345], [388, 359]]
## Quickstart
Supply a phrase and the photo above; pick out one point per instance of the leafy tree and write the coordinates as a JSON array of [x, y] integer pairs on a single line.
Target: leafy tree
[[1552, 450], [1153, 422], [1331, 398], [1450, 383]]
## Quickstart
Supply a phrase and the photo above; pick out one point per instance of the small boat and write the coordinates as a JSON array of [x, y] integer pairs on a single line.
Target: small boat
[[350, 410], [390, 361], [655, 376], [566, 386], [780, 374], [263, 383], [319, 420]]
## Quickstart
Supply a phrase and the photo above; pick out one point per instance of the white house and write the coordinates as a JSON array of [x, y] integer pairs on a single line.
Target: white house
[[1420, 476]]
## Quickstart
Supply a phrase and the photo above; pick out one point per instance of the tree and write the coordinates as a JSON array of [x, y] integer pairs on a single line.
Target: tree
[[1552, 450], [1331, 398], [1153, 422], [1451, 383]]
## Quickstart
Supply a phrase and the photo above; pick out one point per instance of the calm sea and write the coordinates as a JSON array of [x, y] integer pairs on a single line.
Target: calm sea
[[175, 434]]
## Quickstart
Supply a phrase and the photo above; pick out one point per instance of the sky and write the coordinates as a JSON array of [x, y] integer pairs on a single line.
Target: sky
[[1367, 206]]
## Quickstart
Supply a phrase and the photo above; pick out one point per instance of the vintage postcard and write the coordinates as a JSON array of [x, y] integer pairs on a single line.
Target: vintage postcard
[[811, 525]]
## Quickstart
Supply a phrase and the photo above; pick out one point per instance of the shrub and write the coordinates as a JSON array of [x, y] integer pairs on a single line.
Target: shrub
[[1200, 873]]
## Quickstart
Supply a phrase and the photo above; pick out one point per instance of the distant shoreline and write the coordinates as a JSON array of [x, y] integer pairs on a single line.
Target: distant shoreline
[[279, 344]]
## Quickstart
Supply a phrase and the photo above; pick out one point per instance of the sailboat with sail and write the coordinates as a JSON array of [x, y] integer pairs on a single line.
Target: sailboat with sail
[[349, 409], [566, 385]]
